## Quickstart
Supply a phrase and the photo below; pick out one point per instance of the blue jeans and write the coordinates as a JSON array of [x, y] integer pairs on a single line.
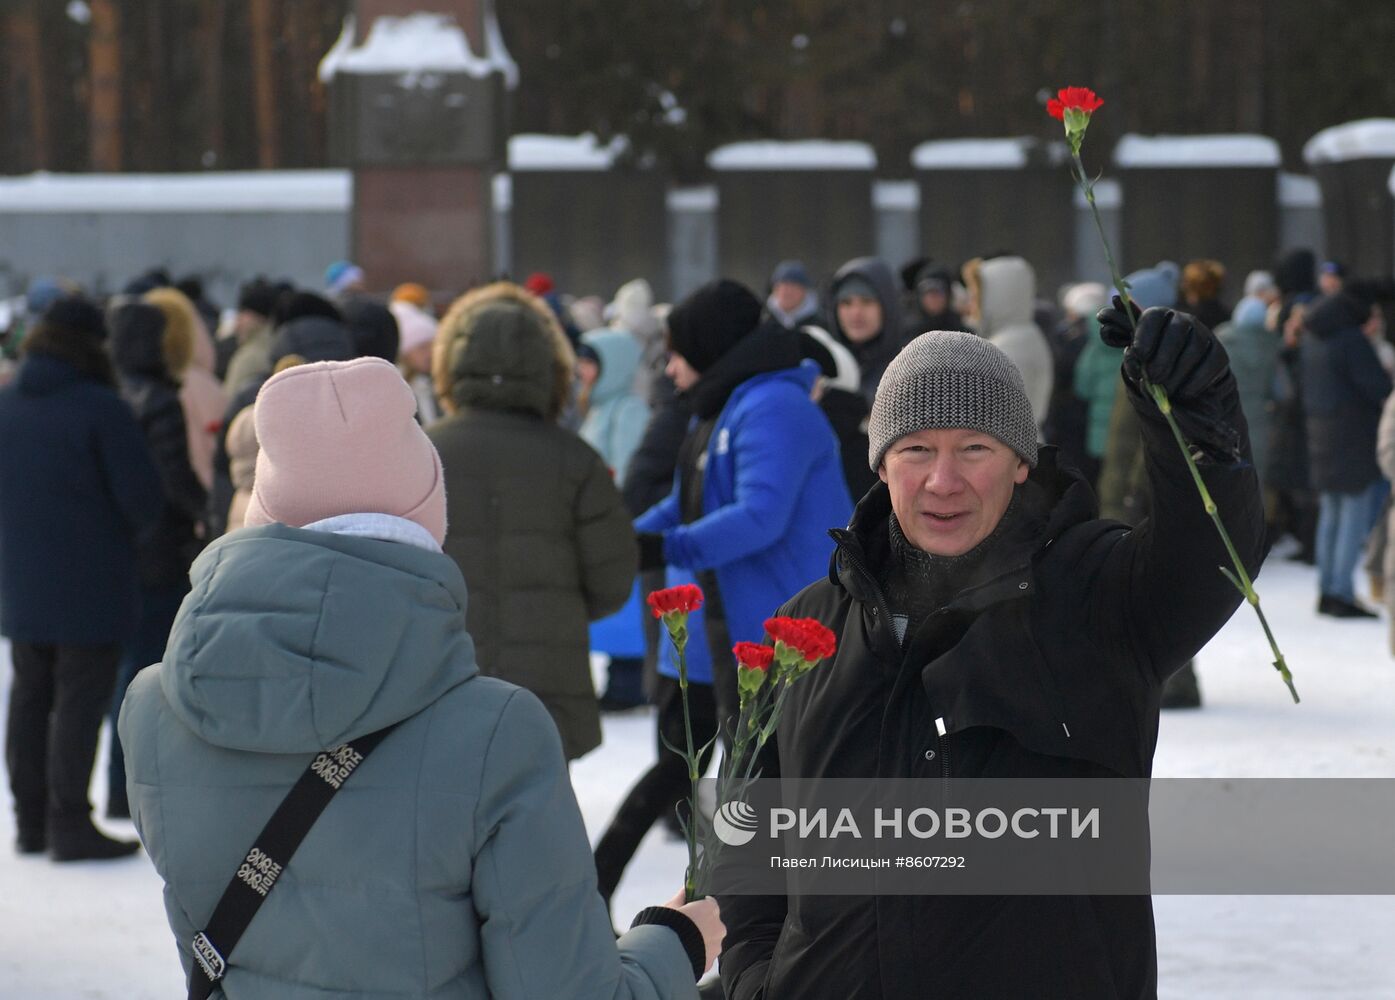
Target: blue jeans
[[1344, 521]]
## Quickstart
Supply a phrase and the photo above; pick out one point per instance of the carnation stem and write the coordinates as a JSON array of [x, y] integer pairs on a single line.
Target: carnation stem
[[1239, 578], [690, 876]]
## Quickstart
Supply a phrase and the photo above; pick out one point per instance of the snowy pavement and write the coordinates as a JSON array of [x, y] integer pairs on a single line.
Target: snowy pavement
[[98, 930]]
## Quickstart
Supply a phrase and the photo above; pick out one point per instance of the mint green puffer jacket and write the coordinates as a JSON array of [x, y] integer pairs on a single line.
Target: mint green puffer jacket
[[453, 865]]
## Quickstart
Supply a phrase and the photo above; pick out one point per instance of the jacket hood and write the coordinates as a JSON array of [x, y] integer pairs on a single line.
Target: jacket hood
[[314, 338], [56, 357], [634, 309], [501, 348], [877, 273], [293, 641], [1334, 313], [137, 340], [619, 352], [1007, 291]]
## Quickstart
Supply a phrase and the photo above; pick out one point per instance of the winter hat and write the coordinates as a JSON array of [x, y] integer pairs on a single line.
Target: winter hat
[[340, 275], [74, 314], [948, 380], [1085, 299], [710, 321], [341, 437], [539, 283], [42, 293], [933, 278], [1154, 286], [1258, 282], [156, 277], [257, 296], [374, 329], [296, 305], [1333, 267], [1249, 311], [414, 327], [412, 293], [856, 285], [792, 271]]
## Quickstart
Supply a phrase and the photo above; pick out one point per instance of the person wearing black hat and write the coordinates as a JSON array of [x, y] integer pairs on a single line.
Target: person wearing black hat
[[759, 480], [759, 485], [932, 309], [256, 300], [77, 488]]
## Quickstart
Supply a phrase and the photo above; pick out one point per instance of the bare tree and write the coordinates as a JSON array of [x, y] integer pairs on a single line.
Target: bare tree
[[104, 95], [263, 24]]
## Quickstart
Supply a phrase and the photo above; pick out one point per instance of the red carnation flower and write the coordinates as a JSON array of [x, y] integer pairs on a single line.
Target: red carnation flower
[[1073, 99], [682, 599], [753, 655], [812, 639]]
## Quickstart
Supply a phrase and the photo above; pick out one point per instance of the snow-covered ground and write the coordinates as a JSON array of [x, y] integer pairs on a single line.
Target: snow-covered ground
[[98, 930]]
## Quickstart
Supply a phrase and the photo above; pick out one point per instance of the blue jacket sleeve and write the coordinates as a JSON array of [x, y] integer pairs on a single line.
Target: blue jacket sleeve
[[773, 455], [662, 516]]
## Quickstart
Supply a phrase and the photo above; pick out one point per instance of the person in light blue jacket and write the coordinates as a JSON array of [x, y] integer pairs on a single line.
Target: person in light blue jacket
[[615, 415], [759, 485], [454, 864]]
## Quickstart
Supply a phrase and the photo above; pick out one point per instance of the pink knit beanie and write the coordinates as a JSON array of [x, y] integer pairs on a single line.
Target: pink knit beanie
[[338, 437]]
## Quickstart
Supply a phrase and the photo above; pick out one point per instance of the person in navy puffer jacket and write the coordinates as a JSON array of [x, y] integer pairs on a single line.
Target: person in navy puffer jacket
[[77, 487]]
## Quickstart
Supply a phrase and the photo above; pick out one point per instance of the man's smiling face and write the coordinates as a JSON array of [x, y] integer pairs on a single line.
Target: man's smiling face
[[950, 487]]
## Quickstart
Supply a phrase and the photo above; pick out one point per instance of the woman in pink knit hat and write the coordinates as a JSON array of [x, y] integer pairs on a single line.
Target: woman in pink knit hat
[[456, 861]]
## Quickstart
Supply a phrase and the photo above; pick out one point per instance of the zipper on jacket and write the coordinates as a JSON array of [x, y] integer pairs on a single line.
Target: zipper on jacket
[[880, 608], [942, 739]]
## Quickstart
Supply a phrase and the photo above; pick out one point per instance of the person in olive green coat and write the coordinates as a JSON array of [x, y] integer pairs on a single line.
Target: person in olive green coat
[[537, 525], [453, 863]]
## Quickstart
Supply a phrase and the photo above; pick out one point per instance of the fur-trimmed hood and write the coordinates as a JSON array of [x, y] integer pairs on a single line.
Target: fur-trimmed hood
[[501, 348]]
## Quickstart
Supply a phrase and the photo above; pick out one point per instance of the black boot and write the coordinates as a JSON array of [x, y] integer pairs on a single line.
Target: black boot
[[76, 839], [31, 840]]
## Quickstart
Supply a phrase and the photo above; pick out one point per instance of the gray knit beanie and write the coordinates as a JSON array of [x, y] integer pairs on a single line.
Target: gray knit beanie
[[948, 380]]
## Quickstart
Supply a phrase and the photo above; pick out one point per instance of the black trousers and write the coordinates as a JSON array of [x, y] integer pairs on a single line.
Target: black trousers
[[59, 697], [663, 787]]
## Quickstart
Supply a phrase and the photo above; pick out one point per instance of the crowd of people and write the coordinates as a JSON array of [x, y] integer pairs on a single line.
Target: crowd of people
[[292, 505]]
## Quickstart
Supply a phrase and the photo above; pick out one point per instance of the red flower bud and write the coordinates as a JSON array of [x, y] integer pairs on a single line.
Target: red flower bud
[[753, 655], [682, 599], [810, 638], [1073, 99]]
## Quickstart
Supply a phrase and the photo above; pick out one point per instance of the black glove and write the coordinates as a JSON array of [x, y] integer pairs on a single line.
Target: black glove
[[651, 551], [1178, 353]]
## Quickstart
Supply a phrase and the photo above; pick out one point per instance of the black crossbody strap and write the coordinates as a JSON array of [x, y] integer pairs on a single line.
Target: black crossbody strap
[[256, 875]]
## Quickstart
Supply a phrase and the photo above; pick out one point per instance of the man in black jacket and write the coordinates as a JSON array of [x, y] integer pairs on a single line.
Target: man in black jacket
[[990, 625]]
